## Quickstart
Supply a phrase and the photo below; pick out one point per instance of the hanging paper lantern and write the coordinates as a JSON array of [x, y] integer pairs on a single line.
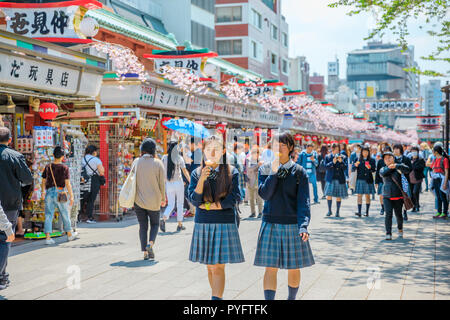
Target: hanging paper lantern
[[48, 111], [298, 137], [221, 128], [314, 138], [89, 27], [164, 120], [258, 132], [308, 138]]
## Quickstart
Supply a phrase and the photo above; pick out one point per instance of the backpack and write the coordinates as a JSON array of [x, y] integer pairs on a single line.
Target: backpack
[[321, 168]]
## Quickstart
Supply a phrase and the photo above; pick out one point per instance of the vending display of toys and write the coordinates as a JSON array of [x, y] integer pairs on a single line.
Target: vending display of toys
[[25, 144]]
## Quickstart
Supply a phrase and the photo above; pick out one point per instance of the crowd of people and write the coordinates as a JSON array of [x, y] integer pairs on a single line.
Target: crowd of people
[[210, 179]]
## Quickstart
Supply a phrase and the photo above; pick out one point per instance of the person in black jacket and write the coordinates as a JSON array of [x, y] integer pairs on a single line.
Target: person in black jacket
[[401, 158], [378, 179], [392, 194], [336, 164], [416, 176], [14, 173], [365, 167]]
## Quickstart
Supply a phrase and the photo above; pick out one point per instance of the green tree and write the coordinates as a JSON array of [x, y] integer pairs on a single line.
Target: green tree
[[394, 16]]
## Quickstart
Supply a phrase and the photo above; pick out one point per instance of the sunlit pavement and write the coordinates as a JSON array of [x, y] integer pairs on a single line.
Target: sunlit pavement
[[353, 261]]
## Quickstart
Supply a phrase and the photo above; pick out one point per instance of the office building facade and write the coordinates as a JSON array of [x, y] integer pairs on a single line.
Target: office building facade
[[299, 74], [254, 35]]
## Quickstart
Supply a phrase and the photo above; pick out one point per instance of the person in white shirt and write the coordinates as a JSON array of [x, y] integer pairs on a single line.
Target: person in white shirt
[[174, 166], [94, 169]]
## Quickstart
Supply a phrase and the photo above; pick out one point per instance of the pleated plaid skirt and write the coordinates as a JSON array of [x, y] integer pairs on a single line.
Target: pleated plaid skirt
[[280, 246], [216, 244], [336, 189], [380, 189], [362, 187]]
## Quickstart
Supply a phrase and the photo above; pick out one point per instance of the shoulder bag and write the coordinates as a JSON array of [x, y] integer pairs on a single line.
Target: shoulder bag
[[407, 202], [62, 196], [101, 179], [128, 193]]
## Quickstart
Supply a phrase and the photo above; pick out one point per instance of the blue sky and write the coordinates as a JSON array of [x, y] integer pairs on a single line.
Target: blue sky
[[320, 33]]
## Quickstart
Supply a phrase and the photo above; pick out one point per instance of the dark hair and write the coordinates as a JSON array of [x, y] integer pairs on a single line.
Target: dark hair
[[324, 150], [91, 149], [387, 148], [441, 151], [398, 146], [345, 148], [310, 145], [170, 163], [224, 179], [334, 146], [415, 148], [148, 146], [5, 135], [287, 139], [365, 149], [58, 152]]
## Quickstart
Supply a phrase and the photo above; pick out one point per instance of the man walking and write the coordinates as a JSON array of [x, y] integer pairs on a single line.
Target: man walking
[[308, 160], [14, 173]]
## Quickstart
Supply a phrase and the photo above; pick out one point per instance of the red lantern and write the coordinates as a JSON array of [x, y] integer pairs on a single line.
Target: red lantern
[[314, 138], [258, 132], [298, 137], [308, 138], [48, 111], [164, 120], [221, 128]]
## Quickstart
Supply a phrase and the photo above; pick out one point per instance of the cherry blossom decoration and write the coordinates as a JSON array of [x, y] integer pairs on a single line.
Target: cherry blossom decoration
[[124, 59], [185, 80], [240, 93]]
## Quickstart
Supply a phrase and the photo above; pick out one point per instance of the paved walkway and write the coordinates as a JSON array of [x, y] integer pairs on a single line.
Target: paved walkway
[[353, 261]]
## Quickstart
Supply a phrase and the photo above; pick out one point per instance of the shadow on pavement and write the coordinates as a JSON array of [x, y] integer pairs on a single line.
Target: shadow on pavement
[[94, 245], [134, 264]]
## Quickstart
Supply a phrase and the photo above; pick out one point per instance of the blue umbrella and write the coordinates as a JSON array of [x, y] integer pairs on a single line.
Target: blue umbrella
[[187, 127]]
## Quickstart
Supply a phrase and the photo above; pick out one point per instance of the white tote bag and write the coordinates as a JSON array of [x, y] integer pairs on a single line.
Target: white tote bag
[[352, 180], [128, 192]]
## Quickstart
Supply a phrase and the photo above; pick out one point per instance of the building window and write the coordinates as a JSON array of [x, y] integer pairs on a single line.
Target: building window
[[274, 32], [229, 47], [285, 39], [285, 66], [229, 14], [274, 63], [256, 19], [256, 50]]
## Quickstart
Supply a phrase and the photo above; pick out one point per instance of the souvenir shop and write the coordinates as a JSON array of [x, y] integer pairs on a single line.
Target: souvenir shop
[[39, 81]]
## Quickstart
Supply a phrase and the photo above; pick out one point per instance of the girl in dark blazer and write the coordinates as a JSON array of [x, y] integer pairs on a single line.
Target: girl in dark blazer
[[401, 158], [283, 237], [335, 177], [416, 176], [378, 178], [392, 195], [365, 167], [214, 191]]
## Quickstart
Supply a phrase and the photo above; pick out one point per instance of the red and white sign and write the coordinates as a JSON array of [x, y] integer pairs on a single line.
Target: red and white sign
[[51, 22], [48, 111]]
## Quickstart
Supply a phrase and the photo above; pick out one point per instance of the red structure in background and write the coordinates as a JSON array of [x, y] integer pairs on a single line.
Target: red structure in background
[[317, 87], [104, 157]]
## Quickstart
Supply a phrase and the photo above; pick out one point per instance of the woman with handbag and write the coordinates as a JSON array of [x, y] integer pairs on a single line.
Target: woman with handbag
[[440, 170], [55, 179], [393, 194], [283, 237], [150, 195], [364, 167], [214, 190], [416, 176]]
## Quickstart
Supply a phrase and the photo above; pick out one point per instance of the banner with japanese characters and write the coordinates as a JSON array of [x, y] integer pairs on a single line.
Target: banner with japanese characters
[[193, 64], [30, 73], [223, 109], [170, 99], [133, 94], [200, 105], [428, 122], [52, 22]]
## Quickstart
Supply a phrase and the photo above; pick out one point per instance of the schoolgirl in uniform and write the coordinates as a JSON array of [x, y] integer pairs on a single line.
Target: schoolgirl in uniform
[[214, 191], [283, 237]]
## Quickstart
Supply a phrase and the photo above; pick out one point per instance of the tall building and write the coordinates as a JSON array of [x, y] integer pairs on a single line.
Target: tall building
[[333, 76], [317, 86], [433, 98], [187, 20], [299, 74], [376, 71], [344, 99], [254, 35]]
